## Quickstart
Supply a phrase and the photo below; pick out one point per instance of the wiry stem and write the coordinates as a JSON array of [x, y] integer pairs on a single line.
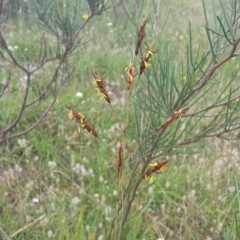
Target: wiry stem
[[44, 59]]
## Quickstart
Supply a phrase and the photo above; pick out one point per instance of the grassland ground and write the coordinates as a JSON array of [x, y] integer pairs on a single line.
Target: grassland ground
[[61, 184]]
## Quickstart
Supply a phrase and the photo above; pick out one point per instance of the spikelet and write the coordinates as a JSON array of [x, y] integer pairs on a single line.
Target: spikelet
[[99, 85], [173, 116], [130, 74], [145, 60], [75, 116], [90, 129], [140, 35], [155, 167], [120, 161]]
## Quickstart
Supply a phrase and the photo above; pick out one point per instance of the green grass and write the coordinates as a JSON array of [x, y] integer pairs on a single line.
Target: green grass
[[74, 175]]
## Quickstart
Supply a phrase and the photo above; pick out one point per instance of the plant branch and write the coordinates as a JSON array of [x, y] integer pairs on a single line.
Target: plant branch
[[55, 76], [210, 72], [44, 114], [5, 47], [203, 134], [21, 110], [211, 107], [5, 86]]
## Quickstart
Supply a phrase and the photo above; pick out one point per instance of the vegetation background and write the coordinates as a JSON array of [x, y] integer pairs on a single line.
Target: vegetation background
[[56, 183]]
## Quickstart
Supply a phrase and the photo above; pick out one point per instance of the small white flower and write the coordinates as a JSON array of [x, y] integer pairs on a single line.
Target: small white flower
[[22, 142], [231, 189], [35, 200], [4, 81], [79, 94], [90, 171], [179, 210], [220, 225], [53, 207], [77, 167], [36, 158], [208, 238], [101, 179], [96, 195], [220, 198], [167, 184], [18, 168], [75, 201], [193, 193], [28, 218], [50, 234], [108, 210], [109, 24], [150, 190], [52, 164], [101, 237], [29, 185], [83, 170]]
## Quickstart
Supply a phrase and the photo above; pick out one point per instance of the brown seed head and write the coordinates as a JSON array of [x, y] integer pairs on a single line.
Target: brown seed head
[[145, 60], [155, 167], [140, 35], [130, 74], [99, 85], [173, 116], [120, 161], [74, 115]]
